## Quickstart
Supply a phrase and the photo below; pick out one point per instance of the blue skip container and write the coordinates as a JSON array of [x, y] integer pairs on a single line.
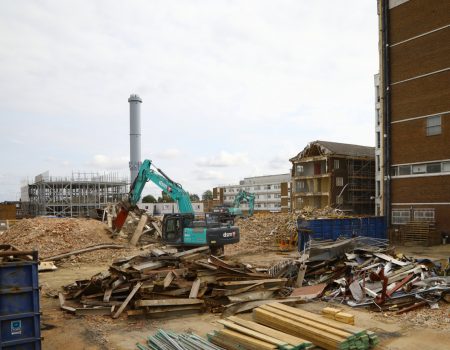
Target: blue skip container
[[19, 303]]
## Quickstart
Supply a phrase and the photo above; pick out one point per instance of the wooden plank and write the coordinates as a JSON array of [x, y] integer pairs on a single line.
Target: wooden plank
[[247, 282], [149, 265], [301, 275], [250, 296], [252, 333], [330, 311], [157, 228], [246, 341], [289, 339], [160, 309], [345, 317], [168, 280], [284, 324], [139, 229], [127, 300], [167, 302], [157, 252], [318, 318], [107, 295], [310, 323], [195, 287], [191, 251]]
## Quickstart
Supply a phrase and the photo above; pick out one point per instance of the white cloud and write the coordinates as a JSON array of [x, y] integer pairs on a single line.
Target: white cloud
[[223, 159], [107, 162], [280, 162], [169, 153], [209, 175]]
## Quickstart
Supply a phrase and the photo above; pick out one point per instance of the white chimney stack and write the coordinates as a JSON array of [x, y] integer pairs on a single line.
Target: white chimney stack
[[135, 135]]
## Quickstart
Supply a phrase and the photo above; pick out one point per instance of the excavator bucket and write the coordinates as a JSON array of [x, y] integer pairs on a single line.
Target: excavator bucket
[[120, 219]]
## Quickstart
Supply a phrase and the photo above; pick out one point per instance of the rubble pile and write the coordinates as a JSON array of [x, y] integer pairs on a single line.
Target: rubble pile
[[274, 230], [51, 236], [366, 272], [166, 281]]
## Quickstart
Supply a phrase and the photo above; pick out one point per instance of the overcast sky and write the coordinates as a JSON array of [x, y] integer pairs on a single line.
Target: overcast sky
[[230, 89]]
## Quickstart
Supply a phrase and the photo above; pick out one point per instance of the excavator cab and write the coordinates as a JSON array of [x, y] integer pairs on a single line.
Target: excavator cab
[[182, 230]]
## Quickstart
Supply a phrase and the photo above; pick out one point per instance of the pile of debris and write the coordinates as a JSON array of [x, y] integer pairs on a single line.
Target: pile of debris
[[165, 282], [51, 236], [366, 272], [272, 231], [142, 228], [264, 232]]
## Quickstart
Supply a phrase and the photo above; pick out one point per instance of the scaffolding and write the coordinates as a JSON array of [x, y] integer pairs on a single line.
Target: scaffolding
[[73, 196], [361, 185]]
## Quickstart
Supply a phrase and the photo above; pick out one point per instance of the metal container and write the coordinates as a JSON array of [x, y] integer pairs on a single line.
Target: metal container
[[323, 229], [19, 303]]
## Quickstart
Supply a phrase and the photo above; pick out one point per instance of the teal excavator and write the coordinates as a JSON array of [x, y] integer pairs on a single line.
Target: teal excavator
[[229, 213], [180, 229]]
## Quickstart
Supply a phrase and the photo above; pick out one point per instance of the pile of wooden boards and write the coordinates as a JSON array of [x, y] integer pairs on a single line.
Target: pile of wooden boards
[[338, 315], [278, 326], [248, 335], [166, 282]]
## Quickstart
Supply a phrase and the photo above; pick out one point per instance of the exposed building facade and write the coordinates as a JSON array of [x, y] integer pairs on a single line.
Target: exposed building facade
[[73, 196], [334, 174], [272, 192], [415, 109]]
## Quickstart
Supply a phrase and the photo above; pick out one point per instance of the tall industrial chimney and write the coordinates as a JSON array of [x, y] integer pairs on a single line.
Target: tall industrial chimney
[[135, 135]]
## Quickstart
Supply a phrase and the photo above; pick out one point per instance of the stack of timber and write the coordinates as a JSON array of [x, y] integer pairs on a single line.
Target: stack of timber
[[338, 315], [167, 282], [321, 331], [248, 335]]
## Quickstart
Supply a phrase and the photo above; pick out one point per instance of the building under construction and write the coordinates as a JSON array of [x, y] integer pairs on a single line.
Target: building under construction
[[75, 196]]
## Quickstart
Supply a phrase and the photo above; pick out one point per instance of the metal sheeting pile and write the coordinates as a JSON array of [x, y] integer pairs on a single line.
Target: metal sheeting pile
[[166, 340]]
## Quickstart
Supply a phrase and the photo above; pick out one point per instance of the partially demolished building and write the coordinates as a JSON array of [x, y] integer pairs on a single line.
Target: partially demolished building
[[73, 196], [334, 174]]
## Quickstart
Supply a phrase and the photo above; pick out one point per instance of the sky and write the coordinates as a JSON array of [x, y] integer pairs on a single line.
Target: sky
[[230, 89]]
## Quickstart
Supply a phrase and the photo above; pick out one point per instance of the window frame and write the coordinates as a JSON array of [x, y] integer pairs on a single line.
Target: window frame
[[434, 125]]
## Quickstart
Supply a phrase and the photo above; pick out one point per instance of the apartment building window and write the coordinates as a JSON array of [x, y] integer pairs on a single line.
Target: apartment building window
[[433, 168], [424, 214], [269, 196], [336, 163], [299, 169], [257, 188], [378, 189], [434, 125], [378, 139], [277, 196], [378, 163], [268, 187], [339, 181], [400, 217]]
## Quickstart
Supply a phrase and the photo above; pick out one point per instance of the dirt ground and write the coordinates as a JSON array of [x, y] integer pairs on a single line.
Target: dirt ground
[[64, 331]]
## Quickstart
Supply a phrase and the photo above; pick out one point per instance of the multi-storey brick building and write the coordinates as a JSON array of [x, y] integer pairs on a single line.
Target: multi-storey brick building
[[334, 174], [415, 109]]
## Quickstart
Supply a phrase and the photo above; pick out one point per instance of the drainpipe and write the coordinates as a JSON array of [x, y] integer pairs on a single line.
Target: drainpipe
[[387, 110]]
